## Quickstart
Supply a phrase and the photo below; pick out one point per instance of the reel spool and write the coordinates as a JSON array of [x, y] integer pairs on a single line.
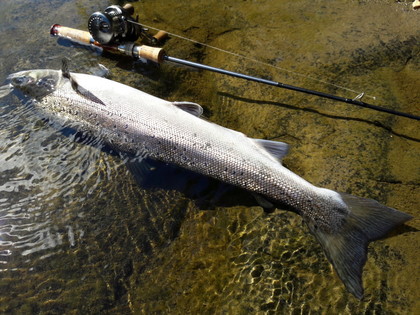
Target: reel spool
[[116, 25]]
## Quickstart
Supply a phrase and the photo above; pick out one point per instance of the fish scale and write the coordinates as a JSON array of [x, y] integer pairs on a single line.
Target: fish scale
[[175, 136], [132, 121]]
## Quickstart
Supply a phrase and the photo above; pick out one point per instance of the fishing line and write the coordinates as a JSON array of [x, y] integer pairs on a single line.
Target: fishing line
[[258, 61]]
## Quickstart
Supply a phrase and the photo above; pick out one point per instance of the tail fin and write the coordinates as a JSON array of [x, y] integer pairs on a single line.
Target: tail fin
[[347, 249]]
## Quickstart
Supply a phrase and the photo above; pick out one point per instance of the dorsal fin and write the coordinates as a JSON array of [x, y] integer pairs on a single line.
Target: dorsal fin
[[191, 108], [275, 148], [75, 86]]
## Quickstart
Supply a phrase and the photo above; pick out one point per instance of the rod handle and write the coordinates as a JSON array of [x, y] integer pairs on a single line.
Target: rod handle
[[71, 33], [155, 54]]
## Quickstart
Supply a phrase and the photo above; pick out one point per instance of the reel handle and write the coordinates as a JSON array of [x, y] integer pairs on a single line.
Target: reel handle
[[159, 36], [129, 8]]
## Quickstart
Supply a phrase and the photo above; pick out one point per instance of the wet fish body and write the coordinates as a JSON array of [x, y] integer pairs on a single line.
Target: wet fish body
[[132, 121]]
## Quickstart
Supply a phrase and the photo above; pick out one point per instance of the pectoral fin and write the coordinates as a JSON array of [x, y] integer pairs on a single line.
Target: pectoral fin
[[75, 86]]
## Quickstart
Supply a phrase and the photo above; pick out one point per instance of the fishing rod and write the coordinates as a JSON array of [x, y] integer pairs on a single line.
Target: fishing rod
[[355, 101], [99, 35]]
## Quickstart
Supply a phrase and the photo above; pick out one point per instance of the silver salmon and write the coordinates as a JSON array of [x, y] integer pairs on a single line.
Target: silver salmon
[[173, 132]]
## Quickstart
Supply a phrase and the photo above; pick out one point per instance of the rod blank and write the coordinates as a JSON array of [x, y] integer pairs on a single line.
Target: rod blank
[[291, 87]]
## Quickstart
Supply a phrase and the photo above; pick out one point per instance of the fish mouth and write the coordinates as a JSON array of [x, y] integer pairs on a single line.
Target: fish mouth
[[20, 78], [35, 75], [13, 81], [5, 90], [17, 74], [22, 81], [35, 83]]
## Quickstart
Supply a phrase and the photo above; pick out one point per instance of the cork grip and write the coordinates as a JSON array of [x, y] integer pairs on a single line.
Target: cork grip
[[71, 33], [155, 54]]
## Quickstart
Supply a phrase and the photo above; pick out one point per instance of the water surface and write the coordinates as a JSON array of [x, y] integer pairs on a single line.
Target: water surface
[[79, 235]]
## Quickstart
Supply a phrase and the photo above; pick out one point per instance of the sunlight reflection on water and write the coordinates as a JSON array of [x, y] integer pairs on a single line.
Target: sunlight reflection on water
[[40, 170]]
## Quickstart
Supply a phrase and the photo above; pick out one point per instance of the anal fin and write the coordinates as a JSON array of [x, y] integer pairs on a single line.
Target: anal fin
[[268, 206]]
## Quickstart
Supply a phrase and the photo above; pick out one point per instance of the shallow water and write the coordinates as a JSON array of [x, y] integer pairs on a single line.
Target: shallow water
[[79, 235]]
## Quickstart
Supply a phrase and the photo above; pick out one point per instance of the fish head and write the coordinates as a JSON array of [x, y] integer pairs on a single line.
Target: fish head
[[35, 83]]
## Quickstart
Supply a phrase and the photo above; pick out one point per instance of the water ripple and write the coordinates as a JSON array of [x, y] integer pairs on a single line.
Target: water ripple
[[43, 182]]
